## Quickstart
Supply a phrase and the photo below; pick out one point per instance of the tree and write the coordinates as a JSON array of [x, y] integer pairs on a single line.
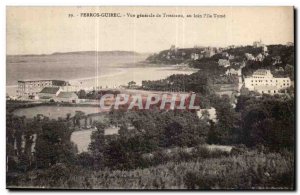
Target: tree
[[78, 115], [82, 94], [269, 121], [97, 145], [53, 144], [289, 70], [212, 136], [131, 84], [227, 119], [173, 134], [68, 116]]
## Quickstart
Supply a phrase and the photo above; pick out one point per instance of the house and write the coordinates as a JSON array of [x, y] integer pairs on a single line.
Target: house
[[259, 57], [249, 56], [208, 113], [69, 97], [264, 49], [194, 56], [263, 81], [49, 93], [232, 71], [209, 52], [223, 62], [231, 57], [276, 60], [257, 44], [225, 54]]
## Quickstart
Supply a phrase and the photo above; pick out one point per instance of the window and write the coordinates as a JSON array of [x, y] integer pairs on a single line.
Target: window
[[274, 91], [269, 91]]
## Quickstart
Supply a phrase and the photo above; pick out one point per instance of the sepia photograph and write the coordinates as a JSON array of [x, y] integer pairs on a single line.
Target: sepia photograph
[[150, 98]]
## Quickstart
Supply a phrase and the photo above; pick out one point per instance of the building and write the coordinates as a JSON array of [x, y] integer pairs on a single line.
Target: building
[[276, 60], [194, 56], [209, 52], [232, 71], [69, 97], [223, 62], [289, 44], [265, 89], [264, 49], [49, 93], [249, 56], [28, 88], [258, 44], [225, 54], [259, 57], [263, 81], [231, 57], [208, 113]]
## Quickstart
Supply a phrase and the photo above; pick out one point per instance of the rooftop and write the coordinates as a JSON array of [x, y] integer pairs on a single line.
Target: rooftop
[[261, 72], [66, 95], [55, 82], [50, 90]]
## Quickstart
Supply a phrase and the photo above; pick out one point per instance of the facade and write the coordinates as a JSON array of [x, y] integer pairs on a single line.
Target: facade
[[258, 44], [209, 52], [259, 57], [69, 97], [249, 56], [223, 62], [263, 81], [232, 71], [209, 113], [264, 49], [194, 56], [33, 87]]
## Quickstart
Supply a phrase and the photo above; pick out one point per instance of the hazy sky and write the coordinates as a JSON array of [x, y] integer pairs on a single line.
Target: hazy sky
[[44, 30]]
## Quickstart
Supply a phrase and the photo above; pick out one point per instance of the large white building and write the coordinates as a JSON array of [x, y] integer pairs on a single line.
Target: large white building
[[33, 87], [263, 81]]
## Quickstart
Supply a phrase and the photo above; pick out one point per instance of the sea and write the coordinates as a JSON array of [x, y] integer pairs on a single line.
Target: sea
[[91, 70]]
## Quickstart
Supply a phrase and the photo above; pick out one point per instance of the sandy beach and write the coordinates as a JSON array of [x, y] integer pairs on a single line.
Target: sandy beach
[[120, 77], [111, 71]]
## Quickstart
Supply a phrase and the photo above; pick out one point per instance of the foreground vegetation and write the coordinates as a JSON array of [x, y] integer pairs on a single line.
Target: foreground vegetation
[[161, 149], [249, 170]]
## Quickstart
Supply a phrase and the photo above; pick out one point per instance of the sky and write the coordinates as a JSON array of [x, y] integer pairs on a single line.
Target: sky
[[45, 30]]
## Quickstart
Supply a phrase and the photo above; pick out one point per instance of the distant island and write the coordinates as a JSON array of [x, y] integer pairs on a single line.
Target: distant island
[[113, 53]]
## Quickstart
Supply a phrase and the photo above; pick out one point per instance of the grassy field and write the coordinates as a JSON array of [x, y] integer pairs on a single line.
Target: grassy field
[[82, 139]]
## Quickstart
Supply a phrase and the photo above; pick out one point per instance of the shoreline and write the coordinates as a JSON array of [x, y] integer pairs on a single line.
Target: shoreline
[[124, 75]]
